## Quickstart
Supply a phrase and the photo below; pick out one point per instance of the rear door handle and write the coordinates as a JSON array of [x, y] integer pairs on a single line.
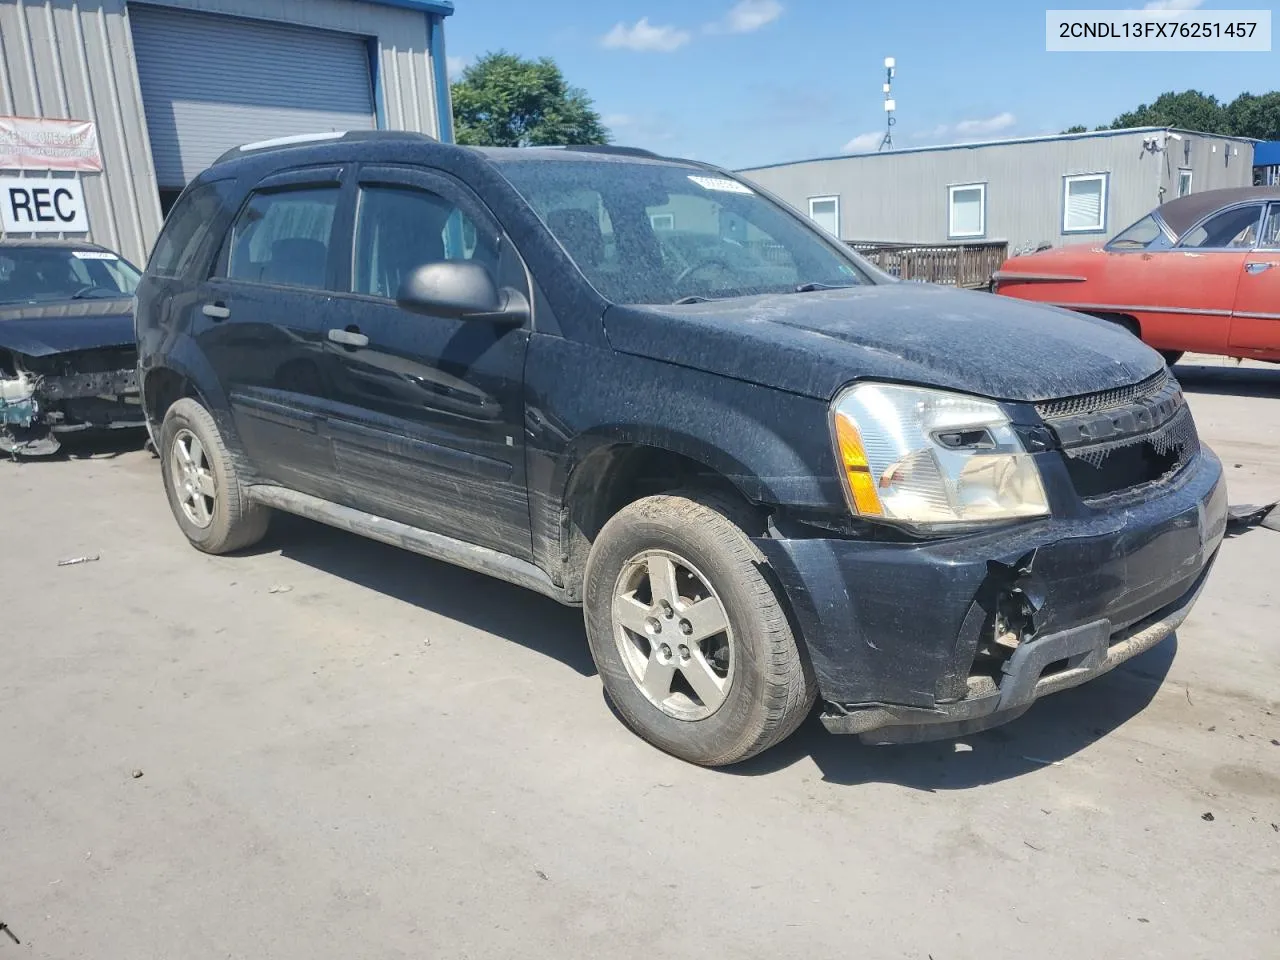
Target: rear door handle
[[349, 338], [1258, 266], [215, 311]]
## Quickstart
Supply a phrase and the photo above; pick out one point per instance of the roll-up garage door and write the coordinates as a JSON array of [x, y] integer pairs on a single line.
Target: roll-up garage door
[[210, 83]]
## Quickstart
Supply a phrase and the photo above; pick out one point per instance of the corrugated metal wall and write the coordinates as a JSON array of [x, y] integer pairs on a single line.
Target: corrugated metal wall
[[74, 59], [902, 196]]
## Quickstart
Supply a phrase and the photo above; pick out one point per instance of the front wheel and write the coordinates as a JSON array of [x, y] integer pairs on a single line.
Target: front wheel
[[689, 635], [205, 493]]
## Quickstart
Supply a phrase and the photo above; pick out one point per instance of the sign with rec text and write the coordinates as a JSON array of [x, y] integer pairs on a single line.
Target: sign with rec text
[[32, 143], [42, 205]]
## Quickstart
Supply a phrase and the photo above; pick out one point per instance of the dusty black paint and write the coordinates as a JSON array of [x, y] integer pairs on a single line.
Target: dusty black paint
[[909, 332], [522, 439]]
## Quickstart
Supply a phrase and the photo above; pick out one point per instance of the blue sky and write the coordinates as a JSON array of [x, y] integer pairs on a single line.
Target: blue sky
[[746, 82]]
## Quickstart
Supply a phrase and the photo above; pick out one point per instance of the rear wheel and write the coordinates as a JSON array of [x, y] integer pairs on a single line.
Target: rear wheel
[[688, 633], [205, 492], [1120, 320]]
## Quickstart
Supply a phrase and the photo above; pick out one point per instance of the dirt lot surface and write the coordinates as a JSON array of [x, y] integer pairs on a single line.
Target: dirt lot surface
[[328, 748]]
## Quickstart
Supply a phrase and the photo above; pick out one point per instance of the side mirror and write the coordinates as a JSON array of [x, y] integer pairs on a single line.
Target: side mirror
[[460, 290]]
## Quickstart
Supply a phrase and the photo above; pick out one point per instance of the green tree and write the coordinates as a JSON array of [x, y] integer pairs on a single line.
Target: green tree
[[1249, 115], [1078, 128], [1189, 110], [506, 101]]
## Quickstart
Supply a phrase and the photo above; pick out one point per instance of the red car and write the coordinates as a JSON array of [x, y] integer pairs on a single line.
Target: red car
[[1198, 273]]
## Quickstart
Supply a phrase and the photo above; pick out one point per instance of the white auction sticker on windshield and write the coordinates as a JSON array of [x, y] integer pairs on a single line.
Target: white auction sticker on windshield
[[721, 184], [93, 255]]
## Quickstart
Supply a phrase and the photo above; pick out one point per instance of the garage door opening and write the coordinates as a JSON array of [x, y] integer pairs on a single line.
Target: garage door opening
[[210, 83]]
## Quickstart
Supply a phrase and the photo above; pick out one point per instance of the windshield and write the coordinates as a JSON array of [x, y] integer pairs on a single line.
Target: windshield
[[44, 274], [660, 233]]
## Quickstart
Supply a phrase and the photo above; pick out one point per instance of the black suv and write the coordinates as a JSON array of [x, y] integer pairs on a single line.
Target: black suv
[[767, 472]]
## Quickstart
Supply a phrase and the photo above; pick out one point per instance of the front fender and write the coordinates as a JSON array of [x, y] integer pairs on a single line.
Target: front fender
[[773, 446]]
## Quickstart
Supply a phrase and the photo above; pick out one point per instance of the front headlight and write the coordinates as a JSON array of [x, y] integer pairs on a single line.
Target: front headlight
[[929, 458]]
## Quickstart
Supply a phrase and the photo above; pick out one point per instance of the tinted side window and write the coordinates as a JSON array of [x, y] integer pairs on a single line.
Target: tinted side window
[[283, 237], [187, 226], [1231, 228], [399, 228]]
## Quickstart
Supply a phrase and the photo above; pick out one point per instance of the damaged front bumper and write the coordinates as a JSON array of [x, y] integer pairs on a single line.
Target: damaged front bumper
[[932, 639], [41, 398]]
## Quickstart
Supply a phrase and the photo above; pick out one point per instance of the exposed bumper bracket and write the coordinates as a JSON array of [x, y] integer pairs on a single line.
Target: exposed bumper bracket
[[1077, 655]]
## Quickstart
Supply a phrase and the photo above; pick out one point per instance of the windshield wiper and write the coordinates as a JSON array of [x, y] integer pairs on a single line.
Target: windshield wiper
[[692, 299], [813, 285]]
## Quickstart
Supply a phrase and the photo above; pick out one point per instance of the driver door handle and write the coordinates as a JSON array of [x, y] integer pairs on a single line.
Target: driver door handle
[[349, 338], [1258, 266]]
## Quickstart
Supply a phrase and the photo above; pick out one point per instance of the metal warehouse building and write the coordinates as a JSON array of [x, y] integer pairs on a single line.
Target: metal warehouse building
[[169, 85], [1055, 189]]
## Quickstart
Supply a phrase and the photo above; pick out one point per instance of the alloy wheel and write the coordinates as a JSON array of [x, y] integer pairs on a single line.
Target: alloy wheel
[[673, 635], [192, 477]]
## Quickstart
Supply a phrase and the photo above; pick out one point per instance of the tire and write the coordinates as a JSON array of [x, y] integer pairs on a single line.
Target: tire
[[1120, 320], [223, 519], [1171, 356], [766, 685]]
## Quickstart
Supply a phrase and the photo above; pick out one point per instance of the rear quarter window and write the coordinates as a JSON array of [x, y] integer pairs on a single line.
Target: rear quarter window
[[201, 213]]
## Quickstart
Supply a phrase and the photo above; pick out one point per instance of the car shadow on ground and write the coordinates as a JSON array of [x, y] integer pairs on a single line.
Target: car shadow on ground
[[1229, 380], [533, 621], [1052, 731], [89, 445]]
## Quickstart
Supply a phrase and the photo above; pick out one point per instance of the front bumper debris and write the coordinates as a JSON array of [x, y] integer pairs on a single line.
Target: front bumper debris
[[964, 633], [1043, 666], [36, 407]]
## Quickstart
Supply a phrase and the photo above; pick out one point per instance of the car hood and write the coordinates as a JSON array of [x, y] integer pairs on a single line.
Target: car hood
[[815, 343], [40, 329]]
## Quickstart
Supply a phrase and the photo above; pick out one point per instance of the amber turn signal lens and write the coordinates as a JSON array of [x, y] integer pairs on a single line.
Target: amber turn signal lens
[[857, 474]]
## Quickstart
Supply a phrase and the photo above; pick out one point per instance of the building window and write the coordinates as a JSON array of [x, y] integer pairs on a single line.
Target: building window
[[1184, 182], [967, 210], [825, 212], [1084, 203], [662, 221]]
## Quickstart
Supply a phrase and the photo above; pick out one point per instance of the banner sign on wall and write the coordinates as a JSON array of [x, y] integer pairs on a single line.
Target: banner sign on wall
[[28, 143]]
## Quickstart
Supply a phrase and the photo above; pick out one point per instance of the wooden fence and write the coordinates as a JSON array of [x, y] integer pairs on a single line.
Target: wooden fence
[[953, 264]]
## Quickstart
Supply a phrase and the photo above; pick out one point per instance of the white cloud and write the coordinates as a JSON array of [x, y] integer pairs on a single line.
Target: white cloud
[[645, 37], [864, 142], [1173, 5], [747, 16], [968, 129], [1001, 121], [457, 65]]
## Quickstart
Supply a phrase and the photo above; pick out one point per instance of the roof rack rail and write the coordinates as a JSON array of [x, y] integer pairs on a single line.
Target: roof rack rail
[[301, 139]]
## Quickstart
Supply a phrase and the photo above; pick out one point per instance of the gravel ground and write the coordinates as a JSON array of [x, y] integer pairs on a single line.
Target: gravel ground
[[329, 748]]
